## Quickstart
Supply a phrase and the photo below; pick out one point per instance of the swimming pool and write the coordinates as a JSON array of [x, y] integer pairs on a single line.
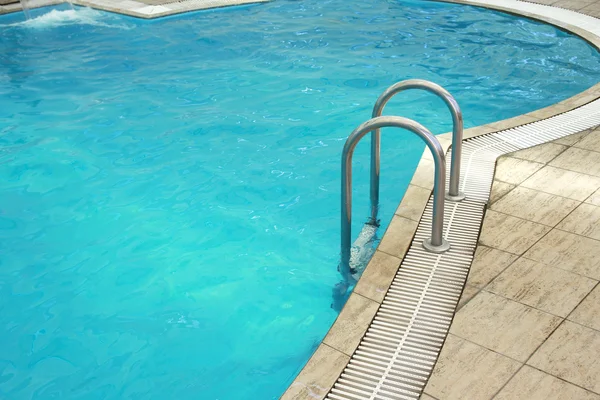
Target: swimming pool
[[170, 189]]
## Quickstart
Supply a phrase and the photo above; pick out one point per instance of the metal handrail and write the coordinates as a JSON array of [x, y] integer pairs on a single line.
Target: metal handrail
[[454, 193], [436, 243]]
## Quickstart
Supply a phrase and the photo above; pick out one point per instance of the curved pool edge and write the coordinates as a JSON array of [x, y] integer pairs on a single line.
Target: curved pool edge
[[333, 354]]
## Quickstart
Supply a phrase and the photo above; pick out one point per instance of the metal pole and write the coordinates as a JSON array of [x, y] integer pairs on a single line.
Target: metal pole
[[454, 193], [436, 243]]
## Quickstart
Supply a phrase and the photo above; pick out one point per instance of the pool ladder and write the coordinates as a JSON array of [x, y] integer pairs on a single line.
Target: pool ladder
[[436, 243]]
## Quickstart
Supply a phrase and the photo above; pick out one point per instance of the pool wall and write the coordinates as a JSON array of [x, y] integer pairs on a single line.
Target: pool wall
[[324, 368]]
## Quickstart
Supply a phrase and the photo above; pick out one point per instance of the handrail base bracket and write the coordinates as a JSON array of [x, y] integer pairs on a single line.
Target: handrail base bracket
[[459, 197], [442, 248]]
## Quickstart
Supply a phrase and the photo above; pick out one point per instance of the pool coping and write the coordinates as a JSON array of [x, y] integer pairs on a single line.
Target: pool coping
[[318, 376]]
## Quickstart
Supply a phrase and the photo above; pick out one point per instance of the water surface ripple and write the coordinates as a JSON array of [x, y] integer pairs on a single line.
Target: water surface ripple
[[169, 192]]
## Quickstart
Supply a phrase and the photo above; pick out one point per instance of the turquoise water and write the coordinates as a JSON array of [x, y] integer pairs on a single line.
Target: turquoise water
[[169, 213]]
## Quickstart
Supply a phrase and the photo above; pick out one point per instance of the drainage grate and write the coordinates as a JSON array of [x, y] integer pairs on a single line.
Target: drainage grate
[[398, 352]]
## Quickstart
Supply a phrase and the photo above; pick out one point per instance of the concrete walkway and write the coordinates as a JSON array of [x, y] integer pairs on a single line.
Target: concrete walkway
[[528, 325]]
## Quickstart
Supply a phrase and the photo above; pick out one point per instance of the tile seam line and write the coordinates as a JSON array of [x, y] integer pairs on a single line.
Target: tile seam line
[[537, 191], [535, 222], [531, 355], [526, 257], [487, 290], [482, 288], [559, 378]]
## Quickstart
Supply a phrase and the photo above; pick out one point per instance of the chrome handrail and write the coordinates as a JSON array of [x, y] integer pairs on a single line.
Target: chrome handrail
[[436, 243], [454, 193]]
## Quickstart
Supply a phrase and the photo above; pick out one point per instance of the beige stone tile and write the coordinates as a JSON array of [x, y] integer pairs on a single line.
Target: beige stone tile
[[560, 182], [487, 264], [318, 376], [413, 203], [499, 189], [593, 6], [515, 171], [445, 142], [543, 153], [531, 384], [532, 205], [594, 89], [512, 122], [477, 131], [351, 324], [377, 277], [568, 251], [468, 293], [467, 371], [579, 160], [423, 176], [588, 312], [585, 221], [546, 288], [573, 4], [594, 12], [590, 142], [503, 325], [594, 198], [398, 236], [581, 98], [510, 234], [570, 140], [549, 111], [425, 396], [445, 137], [571, 353]]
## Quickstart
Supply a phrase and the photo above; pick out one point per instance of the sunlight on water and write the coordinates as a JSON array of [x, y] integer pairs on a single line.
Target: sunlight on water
[[79, 16]]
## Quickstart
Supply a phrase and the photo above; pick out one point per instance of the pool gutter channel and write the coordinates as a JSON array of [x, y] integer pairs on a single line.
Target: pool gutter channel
[[386, 340]]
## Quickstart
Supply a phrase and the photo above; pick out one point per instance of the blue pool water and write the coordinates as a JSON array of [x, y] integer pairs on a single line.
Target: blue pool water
[[170, 189]]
